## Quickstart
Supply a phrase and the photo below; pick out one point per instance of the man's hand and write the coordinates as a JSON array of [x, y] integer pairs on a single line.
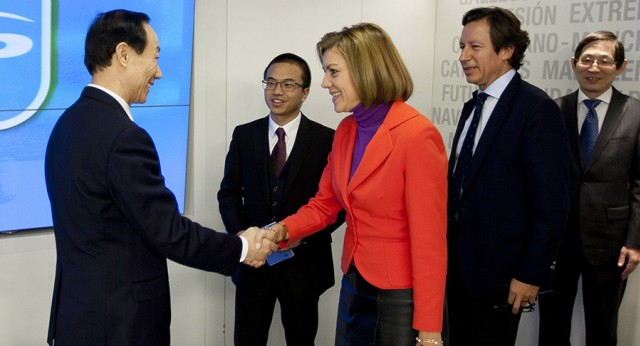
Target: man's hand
[[520, 294], [258, 253], [632, 257]]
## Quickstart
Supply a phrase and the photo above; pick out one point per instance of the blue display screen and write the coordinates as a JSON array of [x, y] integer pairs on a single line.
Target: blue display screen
[[42, 72]]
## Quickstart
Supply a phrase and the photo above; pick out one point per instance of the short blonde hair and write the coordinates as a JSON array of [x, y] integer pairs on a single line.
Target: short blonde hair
[[378, 72]]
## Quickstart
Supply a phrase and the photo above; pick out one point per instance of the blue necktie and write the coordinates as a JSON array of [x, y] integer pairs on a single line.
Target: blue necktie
[[466, 152], [589, 132]]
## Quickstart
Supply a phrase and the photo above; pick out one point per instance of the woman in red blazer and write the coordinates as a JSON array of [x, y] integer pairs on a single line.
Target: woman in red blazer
[[388, 170]]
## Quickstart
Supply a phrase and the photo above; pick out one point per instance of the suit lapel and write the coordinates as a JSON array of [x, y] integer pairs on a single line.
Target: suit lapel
[[466, 112], [300, 150], [342, 155], [569, 109], [380, 146], [491, 130], [260, 142], [612, 120], [374, 155]]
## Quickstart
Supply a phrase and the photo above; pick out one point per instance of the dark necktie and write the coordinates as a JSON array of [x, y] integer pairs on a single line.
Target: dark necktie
[[589, 132], [279, 153], [466, 152]]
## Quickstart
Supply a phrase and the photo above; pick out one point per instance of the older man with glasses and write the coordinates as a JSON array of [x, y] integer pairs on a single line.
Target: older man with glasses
[[602, 240]]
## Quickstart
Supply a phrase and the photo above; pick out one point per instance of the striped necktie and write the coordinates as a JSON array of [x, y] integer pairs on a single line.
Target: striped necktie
[[589, 132]]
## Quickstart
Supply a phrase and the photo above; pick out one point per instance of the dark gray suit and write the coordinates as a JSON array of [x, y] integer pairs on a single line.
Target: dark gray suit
[[604, 217]]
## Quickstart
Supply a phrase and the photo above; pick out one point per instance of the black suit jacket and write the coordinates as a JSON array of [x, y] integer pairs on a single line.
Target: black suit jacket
[[605, 195], [513, 208], [115, 224], [244, 200]]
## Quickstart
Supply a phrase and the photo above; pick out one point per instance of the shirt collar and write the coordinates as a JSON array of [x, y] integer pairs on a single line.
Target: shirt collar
[[604, 97], [120, 100], [289, 128], [498, 86]]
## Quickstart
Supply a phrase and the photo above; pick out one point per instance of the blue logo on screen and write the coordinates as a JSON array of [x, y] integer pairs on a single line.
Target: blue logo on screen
[[25, 59]]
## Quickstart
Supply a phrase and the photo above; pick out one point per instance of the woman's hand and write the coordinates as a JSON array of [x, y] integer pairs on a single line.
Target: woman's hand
[[429, 339], [274, 233]]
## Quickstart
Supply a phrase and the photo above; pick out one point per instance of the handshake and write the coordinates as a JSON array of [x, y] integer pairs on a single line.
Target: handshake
[[261, 245], [264, 241]]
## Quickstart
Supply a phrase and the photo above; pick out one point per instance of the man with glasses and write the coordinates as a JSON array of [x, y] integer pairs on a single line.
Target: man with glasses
[[602, 240], [273, 168]]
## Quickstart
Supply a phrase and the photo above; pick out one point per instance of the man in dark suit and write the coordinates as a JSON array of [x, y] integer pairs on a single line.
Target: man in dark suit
[[115, 222], [602, 241], [252, 192], [508, 196]]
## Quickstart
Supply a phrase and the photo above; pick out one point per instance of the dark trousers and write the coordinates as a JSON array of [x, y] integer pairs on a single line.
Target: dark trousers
[[371, 316], [479, 322], [254, 312], [602, 292]]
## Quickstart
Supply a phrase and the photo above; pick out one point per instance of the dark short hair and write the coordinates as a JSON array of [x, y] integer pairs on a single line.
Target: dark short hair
[[618, 54], [110, 29], [292, 59], [504, 30]]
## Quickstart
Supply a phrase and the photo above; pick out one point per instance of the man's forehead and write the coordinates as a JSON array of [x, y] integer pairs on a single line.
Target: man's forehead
[[152, 37], [605, 45]]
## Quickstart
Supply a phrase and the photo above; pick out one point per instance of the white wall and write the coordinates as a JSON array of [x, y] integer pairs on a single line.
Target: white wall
[[234, 40], [235, 44]]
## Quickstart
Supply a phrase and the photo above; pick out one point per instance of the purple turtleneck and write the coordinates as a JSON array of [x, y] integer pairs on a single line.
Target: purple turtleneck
[[368, 120]]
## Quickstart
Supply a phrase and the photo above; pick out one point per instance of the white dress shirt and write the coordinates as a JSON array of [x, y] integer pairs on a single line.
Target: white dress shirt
[[601, 109], [493, 91]]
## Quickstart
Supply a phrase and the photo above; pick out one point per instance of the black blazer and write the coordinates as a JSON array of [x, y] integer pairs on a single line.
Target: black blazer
[[605, 195], [115, 224], [244, 200], [513, 209]]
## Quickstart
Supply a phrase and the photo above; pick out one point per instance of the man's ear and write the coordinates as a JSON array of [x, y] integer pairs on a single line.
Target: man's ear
[[122, 53], [621, 68], [506, 53]]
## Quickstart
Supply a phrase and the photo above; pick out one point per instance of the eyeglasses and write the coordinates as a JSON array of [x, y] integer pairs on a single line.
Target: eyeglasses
[[588, 61], [287, 85], [527, 307], [501, 304]]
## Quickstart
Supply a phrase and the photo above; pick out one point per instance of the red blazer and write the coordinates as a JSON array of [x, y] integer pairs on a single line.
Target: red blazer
[[396, 207]]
